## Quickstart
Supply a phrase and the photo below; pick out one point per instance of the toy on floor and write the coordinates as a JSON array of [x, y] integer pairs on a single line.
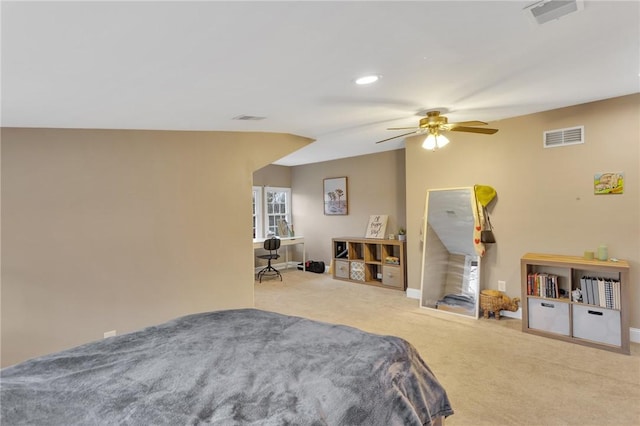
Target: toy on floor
[[496, 301]]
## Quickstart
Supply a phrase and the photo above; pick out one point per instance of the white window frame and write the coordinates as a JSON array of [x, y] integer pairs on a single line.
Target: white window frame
[[276, 210], [261, 210], [257, 212]]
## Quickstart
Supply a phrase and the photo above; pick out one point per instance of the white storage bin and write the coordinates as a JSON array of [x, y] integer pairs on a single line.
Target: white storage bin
[[342, 269], [549, 315], [357, 271], [597, 324]]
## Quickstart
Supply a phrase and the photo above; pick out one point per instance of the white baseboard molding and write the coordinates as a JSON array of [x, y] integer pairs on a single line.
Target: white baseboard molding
[[517, 314], [634, 333], [413, 293], [282, 265]]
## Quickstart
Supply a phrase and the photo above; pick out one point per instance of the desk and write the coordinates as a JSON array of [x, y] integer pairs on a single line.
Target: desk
[[258, 243]]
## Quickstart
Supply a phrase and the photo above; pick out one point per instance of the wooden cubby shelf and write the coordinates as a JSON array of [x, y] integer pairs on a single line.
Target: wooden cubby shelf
[[600, 319], [369, 261]]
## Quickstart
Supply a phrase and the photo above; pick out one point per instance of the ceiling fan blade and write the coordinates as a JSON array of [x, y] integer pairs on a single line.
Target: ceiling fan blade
[[474, 130], [467, 123], [403, 128], [395, 137]]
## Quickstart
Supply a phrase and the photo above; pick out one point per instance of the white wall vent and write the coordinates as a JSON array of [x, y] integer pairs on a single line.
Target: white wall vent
[[563, 137], [248, 118], [548, 10]]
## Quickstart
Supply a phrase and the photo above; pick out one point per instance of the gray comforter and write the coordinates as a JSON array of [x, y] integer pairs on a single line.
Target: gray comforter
[[229, 368]]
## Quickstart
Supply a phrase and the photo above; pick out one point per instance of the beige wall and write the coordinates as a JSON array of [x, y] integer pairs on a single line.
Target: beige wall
[[273, 175], [375, 186], [545, 199], [106, 230], [116, 230]]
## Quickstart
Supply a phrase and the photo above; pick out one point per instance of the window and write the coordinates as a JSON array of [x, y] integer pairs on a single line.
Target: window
[[277, 203], [257, 212], [271, 211]]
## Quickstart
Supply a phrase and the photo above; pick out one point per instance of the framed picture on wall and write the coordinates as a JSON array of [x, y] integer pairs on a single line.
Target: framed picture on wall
[[608, 183], [335, 196], [377, 226]]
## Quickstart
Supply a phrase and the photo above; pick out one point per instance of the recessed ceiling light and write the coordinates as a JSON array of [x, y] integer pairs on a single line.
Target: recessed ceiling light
[[368, 79]]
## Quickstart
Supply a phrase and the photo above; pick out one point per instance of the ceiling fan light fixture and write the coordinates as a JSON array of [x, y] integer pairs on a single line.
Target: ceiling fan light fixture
[[441, 141], [367, 79], [429, 142], [434, 141], [434, 123]]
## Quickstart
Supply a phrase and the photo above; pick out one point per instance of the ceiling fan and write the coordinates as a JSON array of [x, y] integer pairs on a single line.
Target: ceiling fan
[[435, 124]]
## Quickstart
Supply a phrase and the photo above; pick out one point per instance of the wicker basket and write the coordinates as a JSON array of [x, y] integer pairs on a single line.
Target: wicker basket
[[491, 301]]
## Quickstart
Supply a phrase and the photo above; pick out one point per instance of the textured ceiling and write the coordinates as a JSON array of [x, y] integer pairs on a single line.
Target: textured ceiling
[[196, 65]]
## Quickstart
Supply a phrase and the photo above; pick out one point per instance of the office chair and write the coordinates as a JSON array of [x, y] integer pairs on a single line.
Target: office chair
[[271, 244]]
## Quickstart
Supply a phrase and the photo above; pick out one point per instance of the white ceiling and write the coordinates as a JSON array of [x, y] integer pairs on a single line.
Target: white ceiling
[[196, 65]]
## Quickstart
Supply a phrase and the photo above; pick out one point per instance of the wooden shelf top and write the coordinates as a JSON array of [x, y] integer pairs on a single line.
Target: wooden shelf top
[[368, 240], [562, 260]]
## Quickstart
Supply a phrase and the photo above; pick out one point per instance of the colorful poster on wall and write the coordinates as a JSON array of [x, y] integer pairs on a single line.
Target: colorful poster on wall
[[608, 183]]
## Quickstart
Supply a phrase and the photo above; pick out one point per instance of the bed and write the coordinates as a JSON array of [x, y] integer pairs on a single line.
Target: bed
[[232, 367], [459, 303]]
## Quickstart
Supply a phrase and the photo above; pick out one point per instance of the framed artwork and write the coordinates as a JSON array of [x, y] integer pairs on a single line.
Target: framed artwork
[[377, 226], [335, 196], [608, 183]]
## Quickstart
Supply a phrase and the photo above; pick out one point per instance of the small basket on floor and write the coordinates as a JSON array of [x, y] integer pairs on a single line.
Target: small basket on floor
[[490, 301], [496, 301]]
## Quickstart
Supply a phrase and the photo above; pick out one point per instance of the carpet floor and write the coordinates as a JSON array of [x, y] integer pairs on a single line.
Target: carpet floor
[[494, 373]]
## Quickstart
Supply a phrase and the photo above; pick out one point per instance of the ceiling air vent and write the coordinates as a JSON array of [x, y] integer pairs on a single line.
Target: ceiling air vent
[[248, 118], [548, 10], [563, 137]]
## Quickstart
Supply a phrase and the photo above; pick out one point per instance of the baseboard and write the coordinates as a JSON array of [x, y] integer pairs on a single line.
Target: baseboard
[[282, 265], [634, 333], [413, 293], [517, 314]]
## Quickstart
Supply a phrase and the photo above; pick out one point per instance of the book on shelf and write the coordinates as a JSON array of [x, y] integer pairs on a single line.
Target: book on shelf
[[584, 290], [612, 293], [603, 292], [594, 291], [590, 298], [602, 302], [608, 293], [543, 284]]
